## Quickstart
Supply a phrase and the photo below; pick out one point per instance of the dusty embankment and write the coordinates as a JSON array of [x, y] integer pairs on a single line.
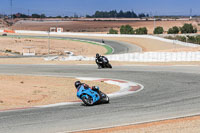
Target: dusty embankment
[[180, 125], [40, 46], [18, 91]]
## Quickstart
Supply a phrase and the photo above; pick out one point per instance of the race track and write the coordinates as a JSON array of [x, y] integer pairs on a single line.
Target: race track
[[118, 47], [169, 92]]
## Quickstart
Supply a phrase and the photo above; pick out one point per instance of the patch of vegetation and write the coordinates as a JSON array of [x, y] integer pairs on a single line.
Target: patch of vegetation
[[112, 31], [188, 28], [158, 30], [190, 39], [8, 50], [126, 29], [17, 52], [181, 38], [115, 14], [193, 39], [173, 30], [142, 30]]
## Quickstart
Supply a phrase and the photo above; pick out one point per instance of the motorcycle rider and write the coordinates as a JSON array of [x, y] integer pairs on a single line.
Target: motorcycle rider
[[78, 84], [99, 60]]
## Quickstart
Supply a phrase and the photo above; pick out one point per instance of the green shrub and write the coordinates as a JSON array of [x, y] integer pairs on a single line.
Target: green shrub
[[126, 29], [112, 31], [194, 39], [17, 53], [8, 50], [191, 39], [158, 30], [198, 39], [181, 38], [169, 37], [173, 30], [188, 28], [142, 30]]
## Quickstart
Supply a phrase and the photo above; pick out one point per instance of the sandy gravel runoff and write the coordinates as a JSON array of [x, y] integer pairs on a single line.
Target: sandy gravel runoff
[[18, 91], [57, 47], [180, 125]]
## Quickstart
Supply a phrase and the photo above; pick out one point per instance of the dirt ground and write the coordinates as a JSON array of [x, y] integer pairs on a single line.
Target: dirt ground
[[57, 47], [18, 91], [180, 125], [98, 26]]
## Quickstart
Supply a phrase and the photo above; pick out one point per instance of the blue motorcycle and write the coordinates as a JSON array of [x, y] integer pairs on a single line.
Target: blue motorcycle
[[91, 97]]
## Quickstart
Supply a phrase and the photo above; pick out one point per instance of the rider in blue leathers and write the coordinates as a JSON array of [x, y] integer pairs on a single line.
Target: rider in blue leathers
[[78, 84]]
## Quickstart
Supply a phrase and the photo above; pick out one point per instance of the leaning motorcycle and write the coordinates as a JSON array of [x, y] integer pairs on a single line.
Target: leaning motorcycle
[[105, 63], [91, 97]]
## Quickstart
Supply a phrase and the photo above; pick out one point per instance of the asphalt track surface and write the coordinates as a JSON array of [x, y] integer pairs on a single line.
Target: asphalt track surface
[[169, 92], [119, 47]]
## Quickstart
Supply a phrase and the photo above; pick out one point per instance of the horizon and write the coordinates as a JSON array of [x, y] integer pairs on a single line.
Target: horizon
[[89, 7]]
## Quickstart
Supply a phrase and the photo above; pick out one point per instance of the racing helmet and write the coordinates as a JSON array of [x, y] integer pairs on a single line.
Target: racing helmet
[[77, 83], [95, 87], [97, 55]]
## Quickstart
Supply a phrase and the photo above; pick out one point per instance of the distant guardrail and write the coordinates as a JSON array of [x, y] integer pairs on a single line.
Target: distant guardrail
[[141, 57]]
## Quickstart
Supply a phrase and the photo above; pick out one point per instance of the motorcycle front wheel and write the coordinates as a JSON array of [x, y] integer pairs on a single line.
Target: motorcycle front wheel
[[105, 98], [109, 65]]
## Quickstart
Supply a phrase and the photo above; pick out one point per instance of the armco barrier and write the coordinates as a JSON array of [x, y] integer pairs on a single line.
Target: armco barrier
[[156, 56], [142, 57], [151, 57]]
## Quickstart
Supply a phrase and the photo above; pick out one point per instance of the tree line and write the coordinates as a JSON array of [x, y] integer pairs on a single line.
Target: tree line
[[97, 14], [115, 14], [127, 29]]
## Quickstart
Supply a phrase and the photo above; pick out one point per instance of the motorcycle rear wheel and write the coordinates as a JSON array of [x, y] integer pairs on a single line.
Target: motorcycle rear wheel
[[87, 101]]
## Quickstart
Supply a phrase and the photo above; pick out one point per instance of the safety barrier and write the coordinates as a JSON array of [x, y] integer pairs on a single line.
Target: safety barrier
[[142, 57], [151, 57], [156, 56]]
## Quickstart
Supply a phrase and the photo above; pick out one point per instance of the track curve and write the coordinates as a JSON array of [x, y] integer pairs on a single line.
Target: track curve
[[169, 92], [119, 47]]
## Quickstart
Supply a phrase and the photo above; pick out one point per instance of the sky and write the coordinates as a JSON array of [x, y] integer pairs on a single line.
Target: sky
[[83, 7]]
